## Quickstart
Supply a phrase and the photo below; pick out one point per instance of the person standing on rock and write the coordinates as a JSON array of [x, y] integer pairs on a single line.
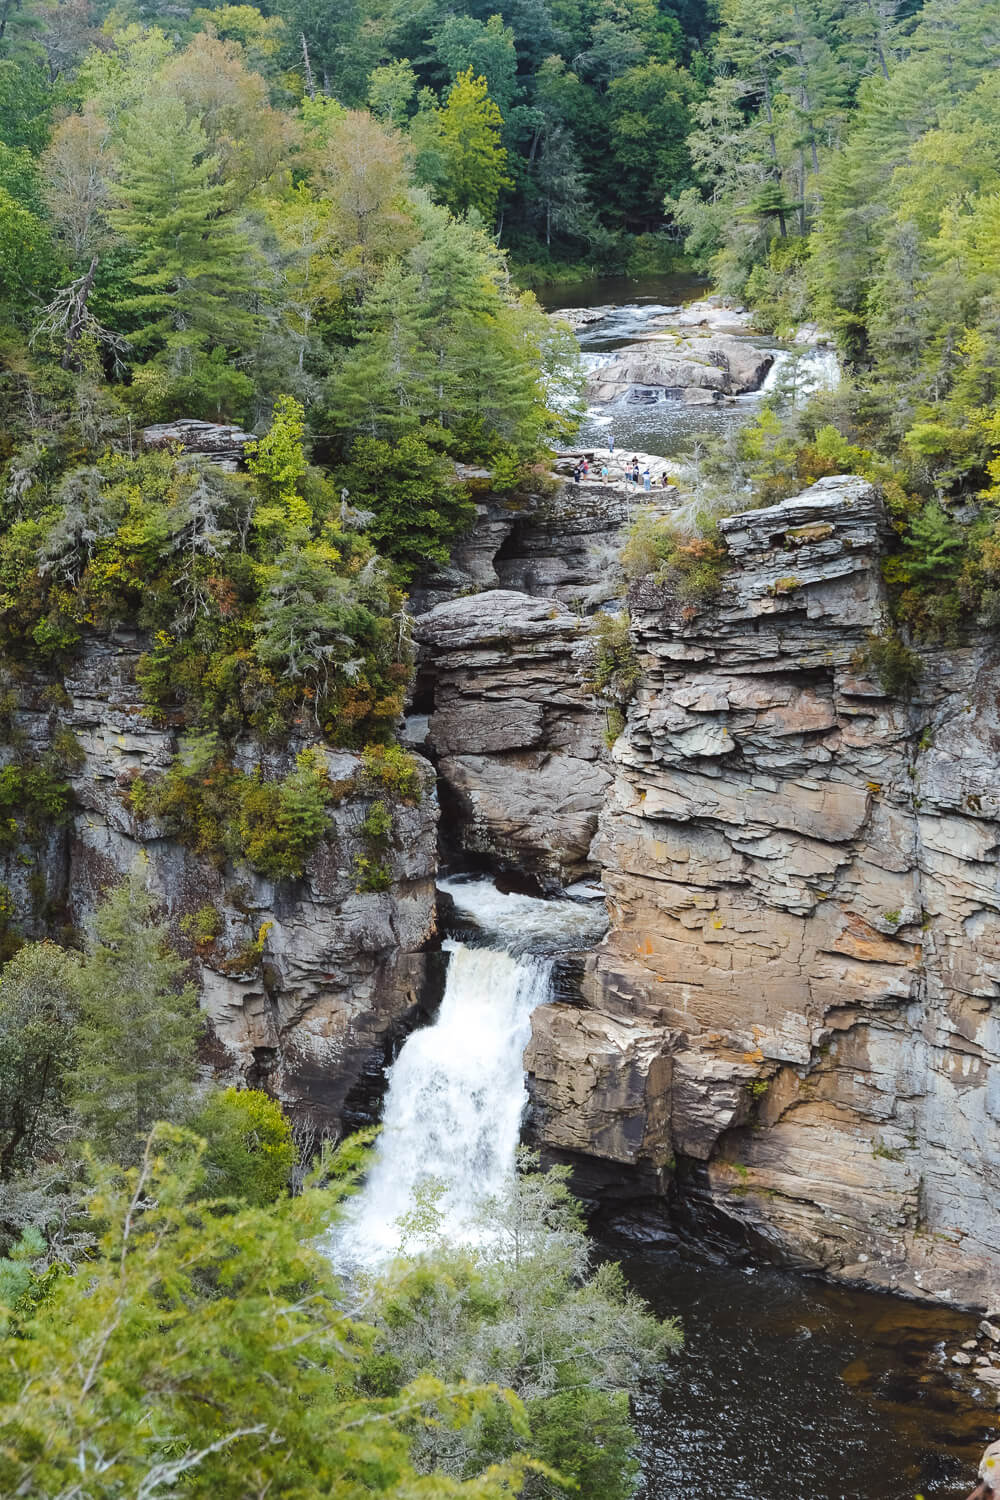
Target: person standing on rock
[[576, 474], [988, 1487]]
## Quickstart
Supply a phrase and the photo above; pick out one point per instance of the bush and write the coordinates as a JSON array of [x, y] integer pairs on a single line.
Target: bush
[[616, 666], [897, 668], [393, 769], [223, 813], [692, 567], [249, 1152]]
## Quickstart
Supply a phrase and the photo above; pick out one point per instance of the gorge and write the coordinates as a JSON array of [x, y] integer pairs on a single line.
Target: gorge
[[785, 1041]]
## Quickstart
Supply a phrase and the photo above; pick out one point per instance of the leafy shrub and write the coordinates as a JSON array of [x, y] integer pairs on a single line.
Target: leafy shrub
[[202, 926], [394, 770], [371, 873], [692, 567], [897, 668], [249, 1152], [35, 797], [616, 666], [377, 823], [224, 813]]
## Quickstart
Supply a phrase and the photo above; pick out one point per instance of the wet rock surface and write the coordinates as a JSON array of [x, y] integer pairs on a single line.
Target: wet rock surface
[[801, 988], [692, 368]]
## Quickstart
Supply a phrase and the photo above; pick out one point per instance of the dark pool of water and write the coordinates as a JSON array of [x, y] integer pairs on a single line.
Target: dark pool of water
[[601, 291], [792, 1389]]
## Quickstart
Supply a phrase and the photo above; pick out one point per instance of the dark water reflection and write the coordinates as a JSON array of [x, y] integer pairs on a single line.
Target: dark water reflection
[[789, 1389], [617, 291]]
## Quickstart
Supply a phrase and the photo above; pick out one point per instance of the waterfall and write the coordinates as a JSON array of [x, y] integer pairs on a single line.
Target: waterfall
[[456, 1093], [814, 369]]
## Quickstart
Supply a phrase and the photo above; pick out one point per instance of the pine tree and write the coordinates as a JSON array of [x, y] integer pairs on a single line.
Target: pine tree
[[193, 267], [139, 1027]]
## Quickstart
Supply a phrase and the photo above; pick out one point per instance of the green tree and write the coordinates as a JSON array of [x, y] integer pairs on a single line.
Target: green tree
[[211, 1350], [193, 269], [28, 262], [139, 1027], [391, 90], [524, 1308], [249, 1152], [419, 508], [487, 51], [649, 124], [469, 164], [40, 999], [278, 462]]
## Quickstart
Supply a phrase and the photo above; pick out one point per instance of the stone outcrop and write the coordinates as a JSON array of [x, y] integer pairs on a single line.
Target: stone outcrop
[[339, 973], [515, 730], [799, 999], [502, 701], [690, 368], [219, 442]]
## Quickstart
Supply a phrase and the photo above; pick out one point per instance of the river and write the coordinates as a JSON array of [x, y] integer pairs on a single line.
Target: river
[[635, 310], [787, 1388]]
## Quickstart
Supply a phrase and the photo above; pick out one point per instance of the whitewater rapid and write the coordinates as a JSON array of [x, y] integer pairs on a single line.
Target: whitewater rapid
[[456, 1094]]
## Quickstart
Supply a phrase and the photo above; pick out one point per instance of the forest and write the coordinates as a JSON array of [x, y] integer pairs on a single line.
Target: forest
[[322, 223]]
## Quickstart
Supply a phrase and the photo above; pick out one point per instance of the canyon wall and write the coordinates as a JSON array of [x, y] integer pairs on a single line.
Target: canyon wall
[[307, 982], [795, 1020], [793, 1027]]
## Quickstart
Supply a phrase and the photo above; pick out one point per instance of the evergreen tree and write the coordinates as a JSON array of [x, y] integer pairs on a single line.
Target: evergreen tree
[[39, 1009], [193, 267], [139, 1027], [249, 1152]]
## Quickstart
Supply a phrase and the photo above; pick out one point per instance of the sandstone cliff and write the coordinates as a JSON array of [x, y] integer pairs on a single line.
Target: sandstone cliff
[[797, 1011]]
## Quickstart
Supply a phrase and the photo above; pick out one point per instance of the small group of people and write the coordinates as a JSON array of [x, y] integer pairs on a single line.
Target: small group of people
[[988, 1487], [633, 473]]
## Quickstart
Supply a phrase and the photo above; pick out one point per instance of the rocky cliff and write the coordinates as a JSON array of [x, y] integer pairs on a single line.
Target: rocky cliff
[[506, 706], [305, 983], [795, 1021]]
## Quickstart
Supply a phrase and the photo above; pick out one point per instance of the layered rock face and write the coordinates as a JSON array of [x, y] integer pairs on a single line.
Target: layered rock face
[[693, 369], [502, 692], [338, 973], [515, 730], [798, 1005]]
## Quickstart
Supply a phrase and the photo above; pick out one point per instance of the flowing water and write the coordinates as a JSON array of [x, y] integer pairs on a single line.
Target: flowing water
[[787, 1388], [452, 1116], [635, 310]]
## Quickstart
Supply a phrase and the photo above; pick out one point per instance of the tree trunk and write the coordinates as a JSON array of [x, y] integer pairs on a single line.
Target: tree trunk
[[310, 83]]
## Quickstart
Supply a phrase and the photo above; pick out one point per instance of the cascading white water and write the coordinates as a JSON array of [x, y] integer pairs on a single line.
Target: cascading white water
[[456, 1093], [804, 370]]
